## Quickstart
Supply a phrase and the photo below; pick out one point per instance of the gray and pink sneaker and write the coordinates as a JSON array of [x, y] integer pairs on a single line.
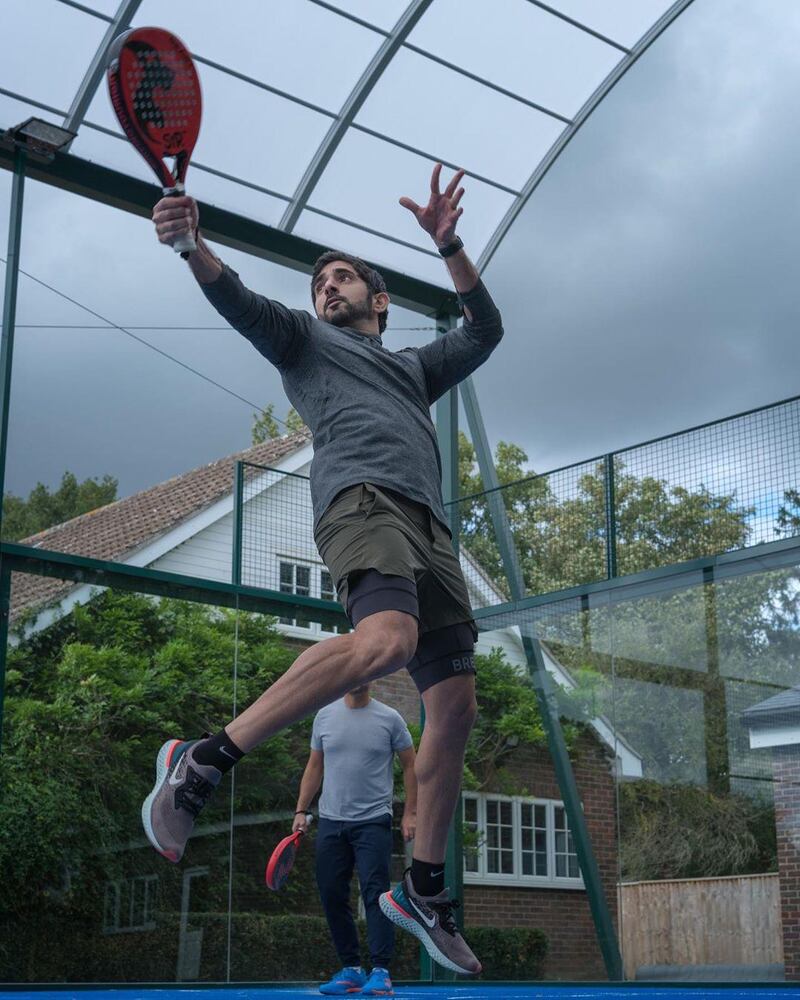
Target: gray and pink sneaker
[[431, 919], [181, 790]]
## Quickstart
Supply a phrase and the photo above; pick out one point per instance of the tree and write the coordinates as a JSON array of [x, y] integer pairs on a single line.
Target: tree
[[87, 702], [788, 521], [558, 524], [266, 428], [43, 508]]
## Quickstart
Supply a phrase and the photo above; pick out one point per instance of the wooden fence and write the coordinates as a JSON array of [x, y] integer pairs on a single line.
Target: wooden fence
[[701, 921]]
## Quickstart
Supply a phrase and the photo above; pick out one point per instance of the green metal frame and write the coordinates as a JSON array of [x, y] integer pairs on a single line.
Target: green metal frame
[[110, 187], [545, 692], [97, 572], [10, 305], [113, 188]]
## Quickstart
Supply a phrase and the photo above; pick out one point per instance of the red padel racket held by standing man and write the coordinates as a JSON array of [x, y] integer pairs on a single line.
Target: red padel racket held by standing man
[[282, 859], [155, 91]]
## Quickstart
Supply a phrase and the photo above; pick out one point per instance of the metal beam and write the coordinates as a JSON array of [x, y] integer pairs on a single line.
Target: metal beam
[[88, 86], [19, 158], [580, 119], [546, 697], [119, 576], [91, 180], [578, 24], [350, 109], [447, 434], [678, 576]]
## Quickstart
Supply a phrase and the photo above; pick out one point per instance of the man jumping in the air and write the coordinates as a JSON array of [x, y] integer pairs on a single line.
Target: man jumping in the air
[[380, 527]]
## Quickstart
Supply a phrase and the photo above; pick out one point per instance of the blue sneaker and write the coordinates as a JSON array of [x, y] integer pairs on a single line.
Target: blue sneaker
[[349, 980], [379, 984]]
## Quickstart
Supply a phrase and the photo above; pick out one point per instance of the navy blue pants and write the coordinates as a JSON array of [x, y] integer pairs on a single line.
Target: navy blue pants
[[367, 847]]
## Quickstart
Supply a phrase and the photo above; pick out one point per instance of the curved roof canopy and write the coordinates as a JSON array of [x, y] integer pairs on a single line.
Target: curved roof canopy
[[319, 115]]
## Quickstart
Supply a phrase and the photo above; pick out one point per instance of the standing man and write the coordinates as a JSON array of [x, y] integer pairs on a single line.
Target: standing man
[[353, 743], [380, 527]]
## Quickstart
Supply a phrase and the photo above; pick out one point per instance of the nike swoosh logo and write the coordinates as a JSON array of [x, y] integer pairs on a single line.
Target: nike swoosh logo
[[428, 921], [172, 778], [434, 874], [223, 750]]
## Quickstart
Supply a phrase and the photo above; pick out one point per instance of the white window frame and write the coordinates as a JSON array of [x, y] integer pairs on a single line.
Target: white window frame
[[315, 630], [484, 877], [114, 922]]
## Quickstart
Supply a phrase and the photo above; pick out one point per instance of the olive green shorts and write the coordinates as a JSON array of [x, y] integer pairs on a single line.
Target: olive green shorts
[[370, 527]]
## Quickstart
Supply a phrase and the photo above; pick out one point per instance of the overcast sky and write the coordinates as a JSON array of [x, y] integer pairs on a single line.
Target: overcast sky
[[648, 286]]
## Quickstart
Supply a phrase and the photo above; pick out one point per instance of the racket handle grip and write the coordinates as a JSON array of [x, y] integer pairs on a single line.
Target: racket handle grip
[[186, 244]]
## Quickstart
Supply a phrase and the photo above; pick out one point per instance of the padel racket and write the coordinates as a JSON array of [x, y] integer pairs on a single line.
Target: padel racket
[[282, 860], [155, 91]]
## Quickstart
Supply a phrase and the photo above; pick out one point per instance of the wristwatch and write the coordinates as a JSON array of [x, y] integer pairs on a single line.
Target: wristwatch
[[452, 247]]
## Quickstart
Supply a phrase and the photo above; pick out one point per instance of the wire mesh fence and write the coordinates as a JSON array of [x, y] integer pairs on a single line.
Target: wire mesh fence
[[717, 488], [274, 538]]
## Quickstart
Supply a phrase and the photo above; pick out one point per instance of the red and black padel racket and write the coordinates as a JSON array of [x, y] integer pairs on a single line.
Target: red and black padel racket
[[155, 91], [282, 860]]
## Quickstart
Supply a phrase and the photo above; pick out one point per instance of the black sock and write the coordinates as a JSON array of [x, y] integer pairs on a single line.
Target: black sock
[[428, 879], [219, 751]]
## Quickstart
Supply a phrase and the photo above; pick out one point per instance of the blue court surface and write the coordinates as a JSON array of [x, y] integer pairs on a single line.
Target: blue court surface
[[453, 991]]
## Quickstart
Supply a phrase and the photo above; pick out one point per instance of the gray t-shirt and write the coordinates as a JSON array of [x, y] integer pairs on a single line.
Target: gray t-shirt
[[359, 745], [368, 408]]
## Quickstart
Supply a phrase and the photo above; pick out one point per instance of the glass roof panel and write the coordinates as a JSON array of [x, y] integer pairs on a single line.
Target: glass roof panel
[[366, 177], [52, 46], [384, 14], [300, 48], [625, 21], [314, 50], [340, 236], [520, 47], [497, 138], [108, 7]]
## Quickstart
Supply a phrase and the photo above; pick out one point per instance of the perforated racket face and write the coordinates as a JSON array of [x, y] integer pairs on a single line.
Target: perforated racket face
[[155, 91], [281, 862]]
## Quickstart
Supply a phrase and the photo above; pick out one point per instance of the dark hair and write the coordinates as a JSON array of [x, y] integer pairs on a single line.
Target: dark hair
[[372, 278]]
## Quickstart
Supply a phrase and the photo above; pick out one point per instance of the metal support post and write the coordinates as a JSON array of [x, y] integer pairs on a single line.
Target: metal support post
[[715, 713], [447, 434], [611, 518], [545, 691], [238, 510], [10, 307], [5, 612]]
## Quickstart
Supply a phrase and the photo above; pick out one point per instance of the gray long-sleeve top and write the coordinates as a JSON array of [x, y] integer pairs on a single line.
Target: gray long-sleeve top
[[368, 408]]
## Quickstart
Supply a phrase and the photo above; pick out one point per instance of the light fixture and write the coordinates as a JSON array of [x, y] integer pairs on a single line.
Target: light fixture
[[39, 138]]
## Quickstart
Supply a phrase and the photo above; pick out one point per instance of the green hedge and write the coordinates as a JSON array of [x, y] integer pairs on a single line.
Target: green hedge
[[264, 948]]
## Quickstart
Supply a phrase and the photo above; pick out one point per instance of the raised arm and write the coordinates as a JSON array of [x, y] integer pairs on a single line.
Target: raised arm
[[270, 327], [309, 786], [450, 358]]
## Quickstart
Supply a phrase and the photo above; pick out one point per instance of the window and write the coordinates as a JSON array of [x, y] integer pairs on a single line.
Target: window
[[518, 841], [310, 580], [129, 904], [295, 579]]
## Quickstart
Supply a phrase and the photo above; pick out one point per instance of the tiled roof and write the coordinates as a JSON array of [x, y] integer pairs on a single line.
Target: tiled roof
[[782, 706], [123, 527]]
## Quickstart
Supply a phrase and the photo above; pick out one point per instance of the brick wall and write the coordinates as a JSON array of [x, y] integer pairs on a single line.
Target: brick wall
[[563, 914], [786, 773]]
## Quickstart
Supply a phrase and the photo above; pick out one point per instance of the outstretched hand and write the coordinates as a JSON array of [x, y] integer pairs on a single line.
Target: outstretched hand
[[439, 217]]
